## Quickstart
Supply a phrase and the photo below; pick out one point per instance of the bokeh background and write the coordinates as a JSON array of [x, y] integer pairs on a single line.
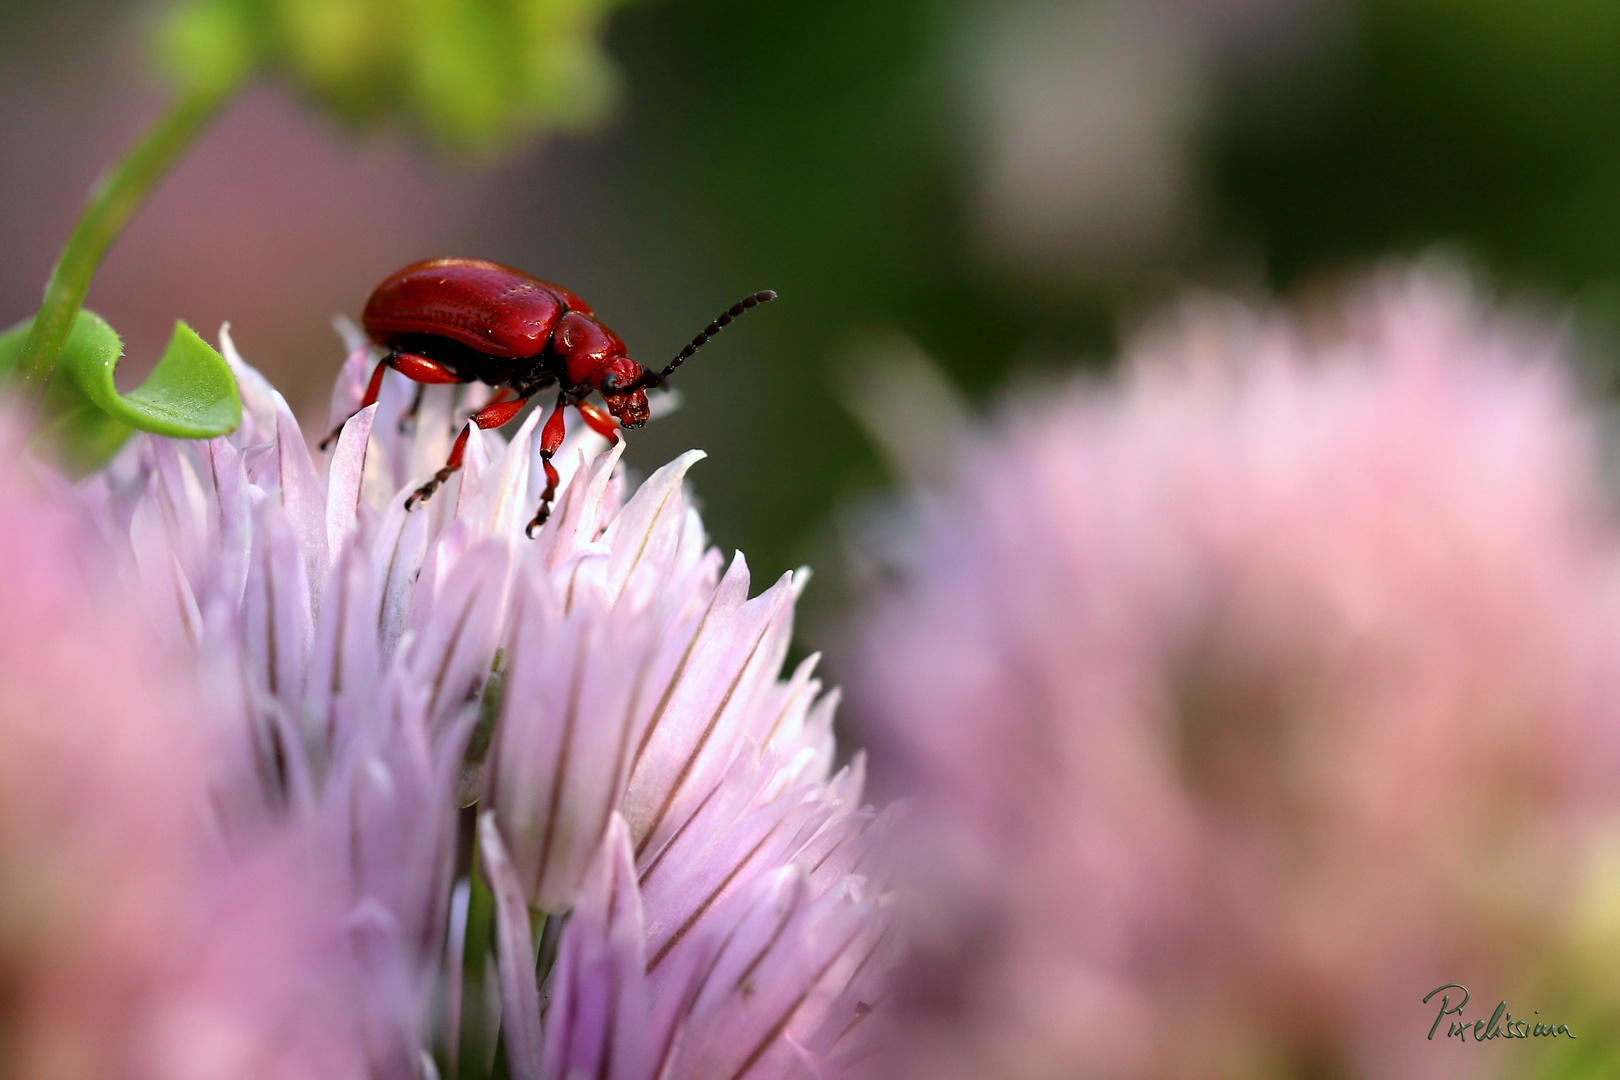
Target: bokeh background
[[1006, 186]]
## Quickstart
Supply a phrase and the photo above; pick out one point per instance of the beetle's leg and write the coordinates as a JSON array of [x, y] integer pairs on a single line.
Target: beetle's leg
[[497, 413], [420, 369], [425, 492], [551, 437], [372, 389], [601, 423], [496, 398], [491, 416], [416, 368], [408, 417]]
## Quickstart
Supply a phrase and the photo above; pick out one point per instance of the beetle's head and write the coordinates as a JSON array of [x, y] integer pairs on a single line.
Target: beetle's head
[[629, 408]]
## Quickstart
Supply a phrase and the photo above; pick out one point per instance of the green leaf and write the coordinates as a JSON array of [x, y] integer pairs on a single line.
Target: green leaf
[[211, 46], [472, 75], [191, 394]]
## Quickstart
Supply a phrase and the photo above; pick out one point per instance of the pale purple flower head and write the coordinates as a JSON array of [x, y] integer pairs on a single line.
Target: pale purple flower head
[[1252, 694], [443, 736]]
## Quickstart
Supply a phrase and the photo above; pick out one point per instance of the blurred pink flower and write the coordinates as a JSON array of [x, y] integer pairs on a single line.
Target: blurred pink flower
[[128, 948], [1250, 696]]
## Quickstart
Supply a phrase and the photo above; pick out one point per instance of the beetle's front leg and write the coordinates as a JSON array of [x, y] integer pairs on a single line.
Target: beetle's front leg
[[600, 422], [551, 437], [491, 416], [497, 398]]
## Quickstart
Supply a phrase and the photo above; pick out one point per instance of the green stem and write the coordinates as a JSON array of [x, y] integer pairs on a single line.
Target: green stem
[[545, 949], [475, 1055], [112, 201]]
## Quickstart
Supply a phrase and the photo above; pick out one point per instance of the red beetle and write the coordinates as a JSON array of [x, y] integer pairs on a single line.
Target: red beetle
[[466, 320]]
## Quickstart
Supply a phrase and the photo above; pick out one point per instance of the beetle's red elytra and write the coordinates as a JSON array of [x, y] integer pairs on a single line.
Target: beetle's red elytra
[[467, 320]]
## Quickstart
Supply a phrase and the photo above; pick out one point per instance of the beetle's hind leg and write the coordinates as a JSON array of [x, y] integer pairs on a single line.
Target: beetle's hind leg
[[372, 389], [551, 437], [418, 369], [491, 416]]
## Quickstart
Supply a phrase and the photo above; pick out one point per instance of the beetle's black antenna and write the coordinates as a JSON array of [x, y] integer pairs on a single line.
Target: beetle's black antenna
[[719, 324]]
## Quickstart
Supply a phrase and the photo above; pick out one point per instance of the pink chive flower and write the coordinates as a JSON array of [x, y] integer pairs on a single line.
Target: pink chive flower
[[463, 736], [1252, 694]]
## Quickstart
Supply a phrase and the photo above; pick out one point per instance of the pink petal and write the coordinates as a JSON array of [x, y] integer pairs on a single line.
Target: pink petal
[[514, 955]]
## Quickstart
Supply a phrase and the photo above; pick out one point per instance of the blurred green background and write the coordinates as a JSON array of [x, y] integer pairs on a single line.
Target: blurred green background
[[1008, 185]]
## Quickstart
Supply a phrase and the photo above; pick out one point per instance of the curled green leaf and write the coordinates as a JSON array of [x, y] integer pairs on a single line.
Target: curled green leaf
[[191, 394]]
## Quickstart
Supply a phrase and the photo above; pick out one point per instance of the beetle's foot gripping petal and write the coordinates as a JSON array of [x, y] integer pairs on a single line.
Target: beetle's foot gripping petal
[[540, 517], [425, 492], [546, 496]]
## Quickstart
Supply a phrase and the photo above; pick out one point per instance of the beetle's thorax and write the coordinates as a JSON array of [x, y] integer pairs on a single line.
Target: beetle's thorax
[[586, 346]]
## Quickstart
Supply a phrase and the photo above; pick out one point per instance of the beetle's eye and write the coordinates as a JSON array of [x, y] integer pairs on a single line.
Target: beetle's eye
[[620, 376]]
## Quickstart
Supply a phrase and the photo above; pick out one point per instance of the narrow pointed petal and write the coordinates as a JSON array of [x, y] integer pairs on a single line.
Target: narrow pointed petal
[[229, 500], [276, 609], [561, 761], [649, 526], [595, 1024], [454, 651], [785, 962], [496, 502], [260, 401], [421, 445], [345, 476], [699, 731], [579, 513], [302, 498], [514, 953], [458, 499], [349, 388], [185, 508], [397, 555], [345, 668], [713, 859]]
